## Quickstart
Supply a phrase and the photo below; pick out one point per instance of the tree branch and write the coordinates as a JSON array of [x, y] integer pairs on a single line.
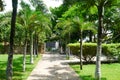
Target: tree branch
[[105, 2]]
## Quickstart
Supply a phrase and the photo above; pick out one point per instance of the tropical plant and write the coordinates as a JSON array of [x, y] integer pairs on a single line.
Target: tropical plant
[[82, 26], [100, 4], [35, 23]]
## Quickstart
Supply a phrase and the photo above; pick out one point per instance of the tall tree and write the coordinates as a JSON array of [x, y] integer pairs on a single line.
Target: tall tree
[[82, 26], [34, 22], [100, 4], [28, 17], [78, 22], [9, 70]]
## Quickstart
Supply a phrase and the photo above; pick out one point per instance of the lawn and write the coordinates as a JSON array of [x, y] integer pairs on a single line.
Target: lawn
[[18, 74], [109, 71]]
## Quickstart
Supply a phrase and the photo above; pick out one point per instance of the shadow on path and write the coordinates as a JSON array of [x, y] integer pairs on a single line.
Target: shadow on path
[[53, 67]]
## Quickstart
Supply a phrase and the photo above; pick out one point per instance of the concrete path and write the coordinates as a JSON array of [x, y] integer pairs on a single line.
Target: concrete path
[[53, 67]]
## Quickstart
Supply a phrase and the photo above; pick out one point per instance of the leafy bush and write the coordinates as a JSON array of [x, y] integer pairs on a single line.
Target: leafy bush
[[111, 49], [89, 50]]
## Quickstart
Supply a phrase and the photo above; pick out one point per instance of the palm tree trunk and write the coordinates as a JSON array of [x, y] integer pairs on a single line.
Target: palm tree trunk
[[35, 45], [94, 39], [9, 71], [34, 48], [90, 36], [31, 47], [36, 51], [69, 47], [81, 50], [24, 56], [25, 51], [99, 43]]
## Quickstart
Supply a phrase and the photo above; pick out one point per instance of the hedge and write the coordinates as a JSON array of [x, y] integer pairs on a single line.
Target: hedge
[[89, 50]]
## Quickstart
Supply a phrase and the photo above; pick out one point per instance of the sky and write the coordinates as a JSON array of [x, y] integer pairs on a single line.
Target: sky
[[53, 3], [49, 3]]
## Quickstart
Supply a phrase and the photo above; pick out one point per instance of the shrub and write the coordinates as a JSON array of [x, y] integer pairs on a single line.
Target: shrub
[[89, 50], [111, 50]]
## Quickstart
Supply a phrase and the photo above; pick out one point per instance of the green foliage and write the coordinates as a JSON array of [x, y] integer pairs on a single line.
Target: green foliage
[[111, 49], [89, 50], [5, 26], [75, 10], [109, 71], [93, 10], [70, 2], [34, 21], [39, 5]]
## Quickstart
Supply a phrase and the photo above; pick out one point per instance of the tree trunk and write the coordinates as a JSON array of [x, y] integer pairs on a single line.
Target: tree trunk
[[25, 51], [90, 36], [99, 43], [69, 47], [9, 71], [36, 51], [94, 39], [34, 48], [35, 45], [31, 47], [81, 50], [66, 50]]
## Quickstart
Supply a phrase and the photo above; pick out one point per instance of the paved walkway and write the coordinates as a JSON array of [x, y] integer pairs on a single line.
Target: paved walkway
[[53, 67]]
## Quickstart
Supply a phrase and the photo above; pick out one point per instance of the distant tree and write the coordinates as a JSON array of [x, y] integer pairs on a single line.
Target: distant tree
[[39, 5], [35, 23], [5, 29]]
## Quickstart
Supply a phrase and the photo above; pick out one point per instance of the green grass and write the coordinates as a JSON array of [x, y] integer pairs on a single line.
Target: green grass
[[109, 71], [18, 74]]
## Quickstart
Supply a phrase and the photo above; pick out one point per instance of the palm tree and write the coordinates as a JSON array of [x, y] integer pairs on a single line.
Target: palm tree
[[32, 22], [76, 24], [82, 26], [9, 70], [24, 21], [63, 30], [42, 28], [100, 4], [27, 19]]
